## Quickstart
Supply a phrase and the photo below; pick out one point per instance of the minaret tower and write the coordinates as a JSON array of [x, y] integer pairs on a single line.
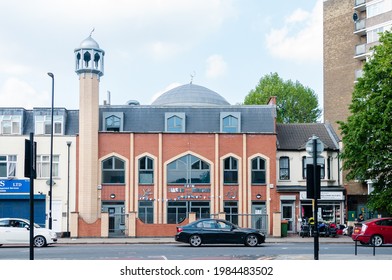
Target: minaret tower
[[89, 67]]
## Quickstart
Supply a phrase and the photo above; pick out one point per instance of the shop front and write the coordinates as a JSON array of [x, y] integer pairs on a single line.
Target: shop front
[[330, 207]]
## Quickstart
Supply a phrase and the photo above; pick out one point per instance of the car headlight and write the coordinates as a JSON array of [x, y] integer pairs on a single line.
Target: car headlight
[[53, 234]]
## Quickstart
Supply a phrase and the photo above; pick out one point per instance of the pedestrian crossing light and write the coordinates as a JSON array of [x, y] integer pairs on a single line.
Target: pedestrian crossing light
[[314, 147]]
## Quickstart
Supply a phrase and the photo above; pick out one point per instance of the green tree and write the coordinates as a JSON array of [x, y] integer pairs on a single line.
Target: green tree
[[367, 132], [295, 102]]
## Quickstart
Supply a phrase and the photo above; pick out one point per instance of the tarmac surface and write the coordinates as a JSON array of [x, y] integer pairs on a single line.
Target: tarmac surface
[[341, 239]]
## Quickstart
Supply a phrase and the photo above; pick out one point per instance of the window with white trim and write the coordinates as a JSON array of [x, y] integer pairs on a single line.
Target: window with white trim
[[113, 123], [146, 170], [146, 211], [230, 171], [188, 170], [258, 171], [113, 171], [43, 127], [230, 122], [175, 122], [7, 166], [43, 166], [10, 124], [284, 168]]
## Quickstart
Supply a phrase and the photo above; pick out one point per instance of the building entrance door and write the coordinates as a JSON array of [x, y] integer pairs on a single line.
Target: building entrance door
[[259, 216], [116, 218], [287, 210]]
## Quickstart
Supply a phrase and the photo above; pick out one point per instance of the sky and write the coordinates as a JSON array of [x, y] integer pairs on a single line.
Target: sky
[[152, 46]]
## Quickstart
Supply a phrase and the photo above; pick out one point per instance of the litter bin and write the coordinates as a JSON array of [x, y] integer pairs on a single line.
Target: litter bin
[[284, 225]]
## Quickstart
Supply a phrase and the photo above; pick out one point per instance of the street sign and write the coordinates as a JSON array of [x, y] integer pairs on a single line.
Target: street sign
[[319, 148]]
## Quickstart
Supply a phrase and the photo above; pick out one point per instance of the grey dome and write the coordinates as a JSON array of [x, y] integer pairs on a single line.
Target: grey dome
[[190, 95], [89, 43]]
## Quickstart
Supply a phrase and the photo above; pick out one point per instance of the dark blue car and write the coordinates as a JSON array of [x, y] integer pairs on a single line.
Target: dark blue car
[[216, 231]]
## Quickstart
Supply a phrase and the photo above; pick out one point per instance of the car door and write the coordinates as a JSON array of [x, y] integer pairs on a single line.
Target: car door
[[228, 233], [17, 232], [4, 224], [210, 233], [387, 227]]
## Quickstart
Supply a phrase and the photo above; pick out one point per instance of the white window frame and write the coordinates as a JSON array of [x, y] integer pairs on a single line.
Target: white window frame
[[42, 125], [10, 161], [119, 115], [180, 116], [11, 122], [43, 166], [236, 115]]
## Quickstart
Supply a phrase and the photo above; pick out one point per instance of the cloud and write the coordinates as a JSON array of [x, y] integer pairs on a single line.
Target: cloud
[[14, 69], [163, 50], [167, 88], [301, 37], [216, 66], [17, 93]]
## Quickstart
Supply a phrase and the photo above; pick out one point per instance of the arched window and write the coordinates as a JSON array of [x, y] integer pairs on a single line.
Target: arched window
[[284, 168], [230, 124], [258, 171], [174, 124], [113, 171], [230, 171], [188, 170], [113, 123], [78, 60], [146, 170], [96, 60], [86, 58]]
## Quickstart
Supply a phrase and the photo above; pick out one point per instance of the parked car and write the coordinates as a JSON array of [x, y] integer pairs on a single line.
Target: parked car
[[17, 231], [216, 231], [375, 231]]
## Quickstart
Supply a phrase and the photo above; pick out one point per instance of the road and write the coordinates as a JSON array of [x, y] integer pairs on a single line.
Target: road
[[185, 252]]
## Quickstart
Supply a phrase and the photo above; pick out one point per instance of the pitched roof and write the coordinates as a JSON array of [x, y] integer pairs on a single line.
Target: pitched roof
[[295, 136]]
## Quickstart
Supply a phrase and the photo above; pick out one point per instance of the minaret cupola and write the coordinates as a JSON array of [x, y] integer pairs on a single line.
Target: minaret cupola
[[89, 57]]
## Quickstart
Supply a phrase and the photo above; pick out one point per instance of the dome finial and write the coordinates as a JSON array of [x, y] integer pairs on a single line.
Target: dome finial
[[92, 31], [192, 75]]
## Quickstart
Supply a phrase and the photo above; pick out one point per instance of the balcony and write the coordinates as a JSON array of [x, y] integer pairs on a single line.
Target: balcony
[[360, 5], [360, 52], [358, 74], [360, 27]]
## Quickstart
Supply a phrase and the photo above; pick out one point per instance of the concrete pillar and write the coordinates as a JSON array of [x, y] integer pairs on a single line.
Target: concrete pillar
[[192, 217], [104, 224], [222, 216], [276, 230], [73, 225], [132, 224]]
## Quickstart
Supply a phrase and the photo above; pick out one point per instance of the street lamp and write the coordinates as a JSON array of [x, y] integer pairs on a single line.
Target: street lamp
[[68, 233], [51, 155]]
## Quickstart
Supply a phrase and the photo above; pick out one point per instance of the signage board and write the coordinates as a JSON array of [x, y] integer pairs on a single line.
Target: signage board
[[325, 195], [14, 186]]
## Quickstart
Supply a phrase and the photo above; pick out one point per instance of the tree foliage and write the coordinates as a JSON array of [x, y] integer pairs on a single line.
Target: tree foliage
[[367, 133], [295, 102]]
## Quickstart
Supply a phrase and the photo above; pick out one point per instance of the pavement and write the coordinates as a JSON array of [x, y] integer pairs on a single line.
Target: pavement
[[294, 238]]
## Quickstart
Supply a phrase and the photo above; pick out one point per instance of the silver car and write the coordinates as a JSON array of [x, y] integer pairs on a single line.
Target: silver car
[[17, 231]]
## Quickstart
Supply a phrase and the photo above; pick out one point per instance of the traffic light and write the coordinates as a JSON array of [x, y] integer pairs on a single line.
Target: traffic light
[[311, 191]]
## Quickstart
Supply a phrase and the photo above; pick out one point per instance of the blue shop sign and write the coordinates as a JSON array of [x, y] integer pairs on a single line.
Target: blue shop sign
[[14, 186]]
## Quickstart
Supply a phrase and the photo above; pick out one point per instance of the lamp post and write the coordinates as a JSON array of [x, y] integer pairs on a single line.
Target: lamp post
[[51, 155], [69, 146]]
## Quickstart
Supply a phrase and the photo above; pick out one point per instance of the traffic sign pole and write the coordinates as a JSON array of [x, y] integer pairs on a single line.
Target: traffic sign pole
[[315, 209]]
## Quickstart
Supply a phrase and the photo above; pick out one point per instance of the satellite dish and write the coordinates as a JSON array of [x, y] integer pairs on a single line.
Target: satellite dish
[[355, 17], [48, 182]]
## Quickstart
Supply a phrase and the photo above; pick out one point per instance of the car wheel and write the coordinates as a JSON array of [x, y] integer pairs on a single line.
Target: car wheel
[[195, 240], [376, 240], [251, 240], [39, 241]]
